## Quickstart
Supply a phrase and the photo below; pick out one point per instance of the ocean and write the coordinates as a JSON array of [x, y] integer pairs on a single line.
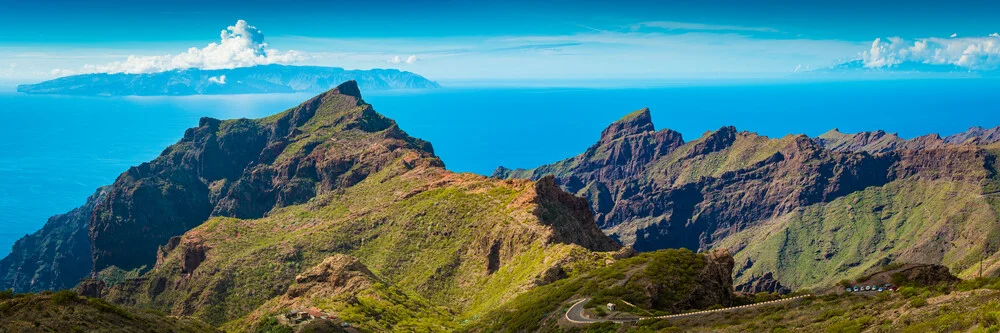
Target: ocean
[[55, 150]]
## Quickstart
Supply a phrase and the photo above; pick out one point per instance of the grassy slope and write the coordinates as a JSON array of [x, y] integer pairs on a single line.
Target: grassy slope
[[64, 311], [678, 168], [904, 221], [541, 308], [422, 232]]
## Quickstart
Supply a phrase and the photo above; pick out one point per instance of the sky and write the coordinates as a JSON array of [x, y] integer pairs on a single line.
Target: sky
[[496, 41]]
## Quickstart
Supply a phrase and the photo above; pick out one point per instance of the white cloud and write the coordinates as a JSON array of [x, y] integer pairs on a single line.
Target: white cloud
[[221, 79], [953, 35], [974, 53], [241, 45], [408, 60]]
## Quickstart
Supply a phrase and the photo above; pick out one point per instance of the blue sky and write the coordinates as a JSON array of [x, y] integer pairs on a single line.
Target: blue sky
[[512, 40]]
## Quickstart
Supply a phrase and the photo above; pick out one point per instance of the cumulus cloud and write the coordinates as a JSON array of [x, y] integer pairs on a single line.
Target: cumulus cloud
[[973, 53], [241, 45], [408, 60]]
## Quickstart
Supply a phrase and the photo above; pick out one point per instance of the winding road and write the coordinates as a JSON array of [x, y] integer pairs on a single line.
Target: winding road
[[575, 312]]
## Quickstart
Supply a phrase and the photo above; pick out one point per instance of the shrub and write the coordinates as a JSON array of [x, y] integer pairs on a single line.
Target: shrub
[[104, 306], [63, 297], [271, 325], [989, 319], [892, 266], [6, 294], [844, 283], [918, 302], [605, 327]]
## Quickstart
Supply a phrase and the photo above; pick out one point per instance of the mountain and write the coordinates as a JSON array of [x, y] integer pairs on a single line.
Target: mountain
[[809, 211], [243, 80], [327, 205], [976, 135]]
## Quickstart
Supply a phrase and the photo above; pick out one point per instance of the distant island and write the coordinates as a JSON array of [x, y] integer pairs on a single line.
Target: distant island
[[244, 80]]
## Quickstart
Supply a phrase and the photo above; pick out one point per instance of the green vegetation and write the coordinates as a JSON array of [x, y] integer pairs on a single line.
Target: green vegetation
[[425, 232], [64, 311], [669, 273], [679, 167], [941, 311], [824, 243]]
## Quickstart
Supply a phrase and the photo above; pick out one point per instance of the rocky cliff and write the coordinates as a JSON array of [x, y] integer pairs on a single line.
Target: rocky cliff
[[55, 257]]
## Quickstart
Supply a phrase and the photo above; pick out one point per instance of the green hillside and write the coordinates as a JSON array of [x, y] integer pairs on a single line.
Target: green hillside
[[907, 221]]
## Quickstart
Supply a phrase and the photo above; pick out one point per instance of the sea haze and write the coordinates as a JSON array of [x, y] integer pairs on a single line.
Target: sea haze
[[58, 149]]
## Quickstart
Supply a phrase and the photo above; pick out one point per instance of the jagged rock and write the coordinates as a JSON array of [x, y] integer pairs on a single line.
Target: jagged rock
[[90, 288], [193, 256], [624, 253], [763, 284], [714, 282], [979, 134], [337, 274]]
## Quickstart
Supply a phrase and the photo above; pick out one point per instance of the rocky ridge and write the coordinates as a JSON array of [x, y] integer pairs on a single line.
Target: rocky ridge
[[700, 193]]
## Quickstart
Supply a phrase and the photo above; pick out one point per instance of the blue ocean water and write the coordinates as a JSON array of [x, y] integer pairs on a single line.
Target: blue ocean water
[[55, 150]]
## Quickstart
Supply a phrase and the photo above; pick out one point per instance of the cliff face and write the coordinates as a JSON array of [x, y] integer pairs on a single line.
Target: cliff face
[[55, 257], [625, 150], [729, 185]]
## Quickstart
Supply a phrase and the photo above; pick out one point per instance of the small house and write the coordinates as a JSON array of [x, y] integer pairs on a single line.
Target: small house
[[611, 306]]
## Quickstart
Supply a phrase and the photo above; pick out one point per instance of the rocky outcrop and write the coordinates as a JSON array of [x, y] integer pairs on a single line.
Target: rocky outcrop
[[55, 257], [975, 136], [911, 274], [765, 283], [336, 275], [91, 288], [626, 148], [570, 217], [714, 283]]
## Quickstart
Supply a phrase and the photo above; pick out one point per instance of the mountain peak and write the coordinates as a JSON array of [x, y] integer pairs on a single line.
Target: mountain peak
[[349, 88], [636, 122]]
